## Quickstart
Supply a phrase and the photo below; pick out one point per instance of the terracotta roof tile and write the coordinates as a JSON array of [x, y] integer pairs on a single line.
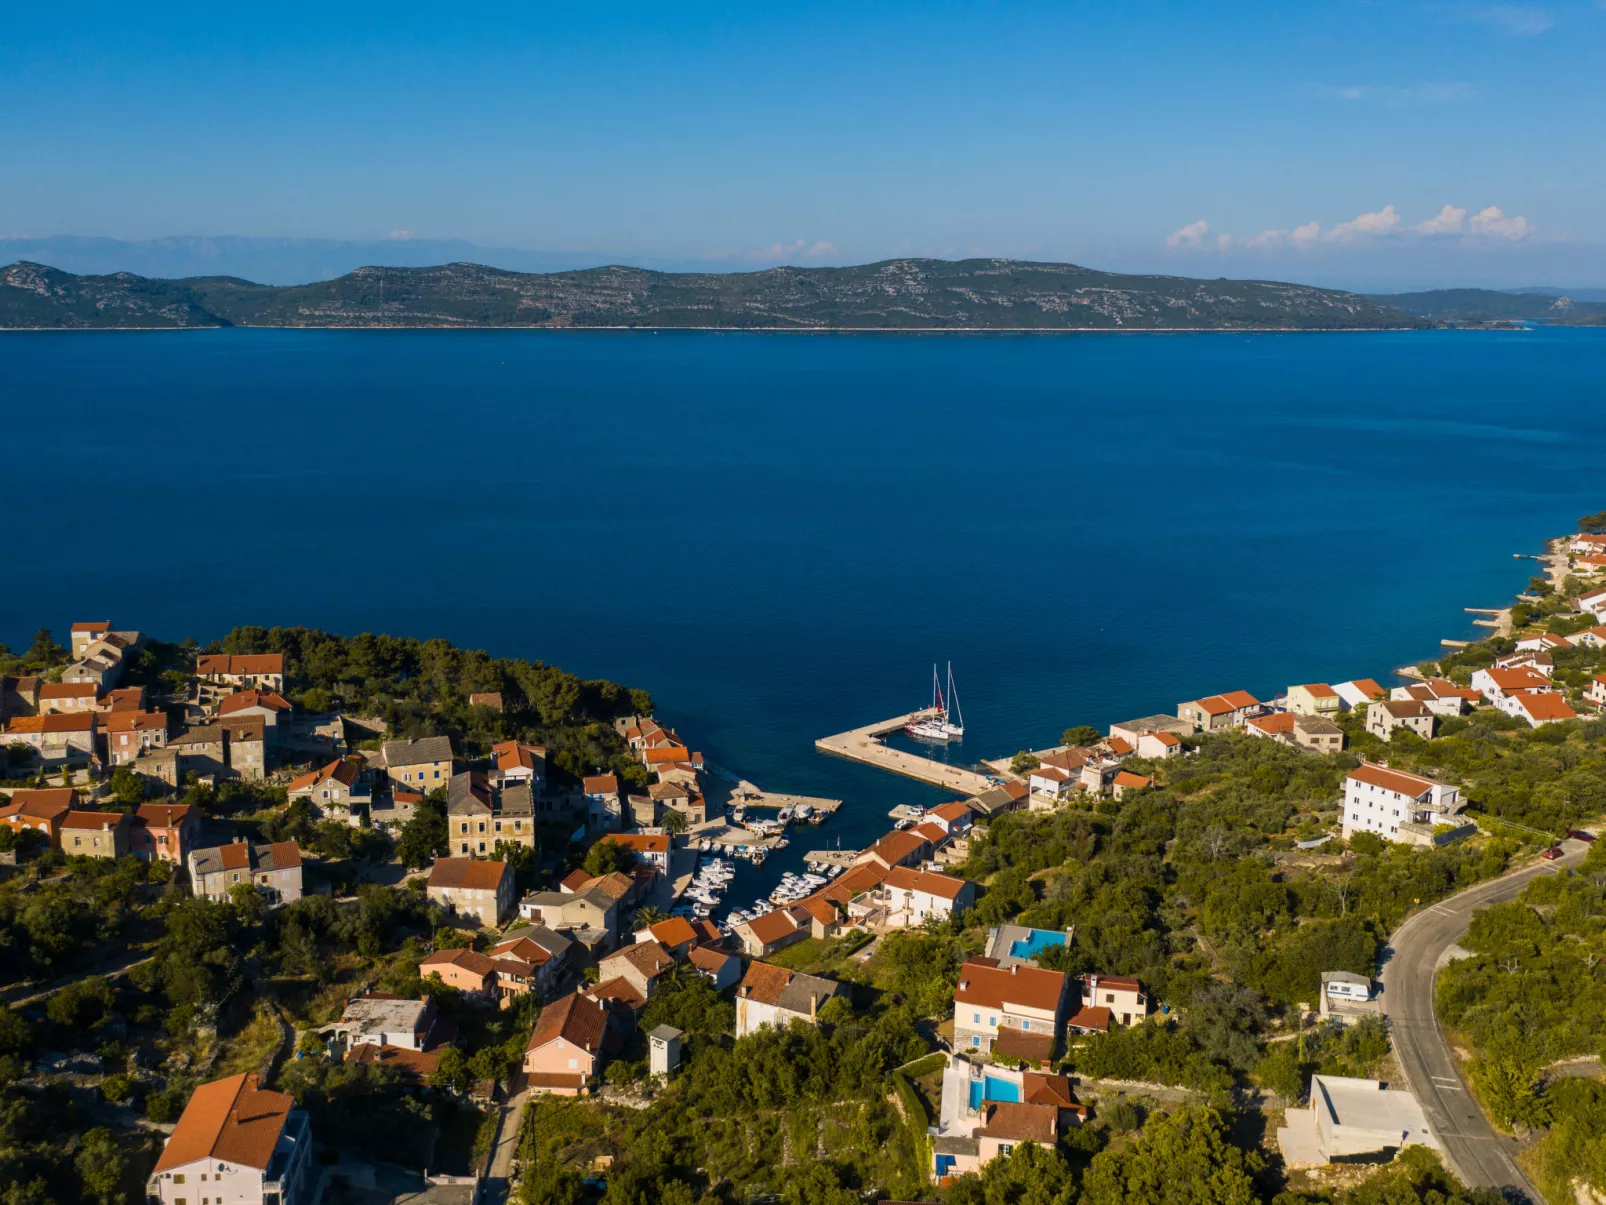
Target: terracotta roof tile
[[232, 1120]]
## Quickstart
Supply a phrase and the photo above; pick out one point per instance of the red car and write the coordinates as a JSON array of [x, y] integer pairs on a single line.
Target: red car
[[1552, 853], [1579, 834]]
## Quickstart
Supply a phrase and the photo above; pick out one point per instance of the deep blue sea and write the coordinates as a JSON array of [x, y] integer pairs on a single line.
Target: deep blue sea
[[778, 534]]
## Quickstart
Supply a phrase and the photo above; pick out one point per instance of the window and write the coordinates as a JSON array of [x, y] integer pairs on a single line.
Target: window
[[1025, 1024], [975, 1040], [179, 1178], [975, 1018], [1005, 1147], [573, 1064], [992, 1021]]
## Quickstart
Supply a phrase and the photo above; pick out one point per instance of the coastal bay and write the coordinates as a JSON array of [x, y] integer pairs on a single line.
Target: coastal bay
[[777, 537]]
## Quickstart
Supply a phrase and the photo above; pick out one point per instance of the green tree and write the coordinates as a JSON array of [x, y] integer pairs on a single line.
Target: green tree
[[674, 821], [424, 838], [1080, 736], [1182, 1156], [607, 856], [451, 1072], [127, 786], [101, 1165]]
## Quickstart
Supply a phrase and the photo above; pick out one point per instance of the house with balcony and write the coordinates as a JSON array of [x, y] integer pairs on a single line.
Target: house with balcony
[[1399, 806], [1027, 1005], [1218, 713], [239, 1143]]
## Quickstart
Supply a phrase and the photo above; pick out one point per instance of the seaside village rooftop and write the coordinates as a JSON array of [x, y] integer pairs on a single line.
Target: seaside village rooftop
[[576, 899]]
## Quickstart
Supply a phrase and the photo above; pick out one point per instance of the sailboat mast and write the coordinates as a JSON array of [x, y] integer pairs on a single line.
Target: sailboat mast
[[953, 696]]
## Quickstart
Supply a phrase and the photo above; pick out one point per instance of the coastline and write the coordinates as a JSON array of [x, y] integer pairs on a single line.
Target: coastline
[[761, 330]]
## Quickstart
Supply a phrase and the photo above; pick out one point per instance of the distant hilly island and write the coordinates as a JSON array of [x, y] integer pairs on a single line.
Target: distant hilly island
[[900, 294]]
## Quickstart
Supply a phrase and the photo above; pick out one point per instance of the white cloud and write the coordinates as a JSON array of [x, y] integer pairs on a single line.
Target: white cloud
[[1382, 221], [1385, 223], [1448, 221], [823, 248], [1190, 236], [1304, 236], [401, 234], [1517, 20], [1496, 224], [1393, 97]]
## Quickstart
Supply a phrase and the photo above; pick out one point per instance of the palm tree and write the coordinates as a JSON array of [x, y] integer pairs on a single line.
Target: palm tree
[[649, 916], [674, 821]]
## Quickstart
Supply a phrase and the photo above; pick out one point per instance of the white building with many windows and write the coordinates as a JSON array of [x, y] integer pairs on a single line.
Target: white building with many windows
[[1397, 806]]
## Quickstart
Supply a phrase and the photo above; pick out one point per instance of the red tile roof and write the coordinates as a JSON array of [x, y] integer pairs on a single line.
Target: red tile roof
[[25, 724], [135, 721], [771, 927], [1021, 1122], [252, 698], [471, 961], [642, 842], [944, 886], [162, 815], [471, 873], [1096, 1020], [232, 1120], [1413, 785], [1546, 707], [994, 987], [951, 812], [676, 931], [67, 690], [101, 821], [577, 1019], [340, 770], [40, 803], [1134, 782], [601, 784]]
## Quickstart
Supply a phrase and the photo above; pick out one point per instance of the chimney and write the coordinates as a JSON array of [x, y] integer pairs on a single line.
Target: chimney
[[814, 1004], [1014, 967]]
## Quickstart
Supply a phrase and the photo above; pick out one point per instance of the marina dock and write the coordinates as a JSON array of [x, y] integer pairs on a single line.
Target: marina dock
[[831, 857], [865, 745]]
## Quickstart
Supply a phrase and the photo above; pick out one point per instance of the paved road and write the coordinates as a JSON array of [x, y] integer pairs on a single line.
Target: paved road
[[1479, 1155], [499, 1179], [34, 992]]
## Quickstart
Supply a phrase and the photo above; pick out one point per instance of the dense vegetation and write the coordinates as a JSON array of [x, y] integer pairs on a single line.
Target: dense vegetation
[[905, 293], [422, 688]]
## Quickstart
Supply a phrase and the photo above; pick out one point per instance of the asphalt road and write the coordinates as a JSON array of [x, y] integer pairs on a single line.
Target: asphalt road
[[1479, 1155]]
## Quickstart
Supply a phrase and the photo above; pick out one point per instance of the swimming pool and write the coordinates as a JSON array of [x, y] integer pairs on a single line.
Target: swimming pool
[[1035, 940], [992, 1089]]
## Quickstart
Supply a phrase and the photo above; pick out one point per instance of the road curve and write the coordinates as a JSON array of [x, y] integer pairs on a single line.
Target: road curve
[[1478, 1154]]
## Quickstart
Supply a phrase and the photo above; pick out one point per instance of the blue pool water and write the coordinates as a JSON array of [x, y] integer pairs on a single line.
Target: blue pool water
[[989, 1088], [777, 535], [1038, 939]]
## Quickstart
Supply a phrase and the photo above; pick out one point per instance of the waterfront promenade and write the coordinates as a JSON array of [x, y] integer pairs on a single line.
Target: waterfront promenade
[[865, 745]]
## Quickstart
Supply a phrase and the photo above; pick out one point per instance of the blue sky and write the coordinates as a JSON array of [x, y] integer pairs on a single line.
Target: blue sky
[[749, 133]]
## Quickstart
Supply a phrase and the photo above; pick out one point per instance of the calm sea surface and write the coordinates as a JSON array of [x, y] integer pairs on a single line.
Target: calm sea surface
[[777, 535]]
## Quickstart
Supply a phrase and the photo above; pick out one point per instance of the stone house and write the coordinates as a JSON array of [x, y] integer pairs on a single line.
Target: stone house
[[1385, 716], [57, 740], [131, 734], [94, 834], [247, 745], [338, 789], [421, 765], [67, 698], [274, 870], [472, 887], [772, 995]]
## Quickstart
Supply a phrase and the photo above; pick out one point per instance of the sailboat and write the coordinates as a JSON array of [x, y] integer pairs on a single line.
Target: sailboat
[[949, 722]]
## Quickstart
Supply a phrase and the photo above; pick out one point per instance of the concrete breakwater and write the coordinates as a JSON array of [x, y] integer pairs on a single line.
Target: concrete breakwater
[[865, 745]]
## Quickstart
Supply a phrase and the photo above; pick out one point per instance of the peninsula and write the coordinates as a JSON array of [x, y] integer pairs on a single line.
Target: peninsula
[[896, 295]]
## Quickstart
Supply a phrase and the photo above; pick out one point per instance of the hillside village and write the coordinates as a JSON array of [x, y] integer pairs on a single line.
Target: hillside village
[[481, 929]]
